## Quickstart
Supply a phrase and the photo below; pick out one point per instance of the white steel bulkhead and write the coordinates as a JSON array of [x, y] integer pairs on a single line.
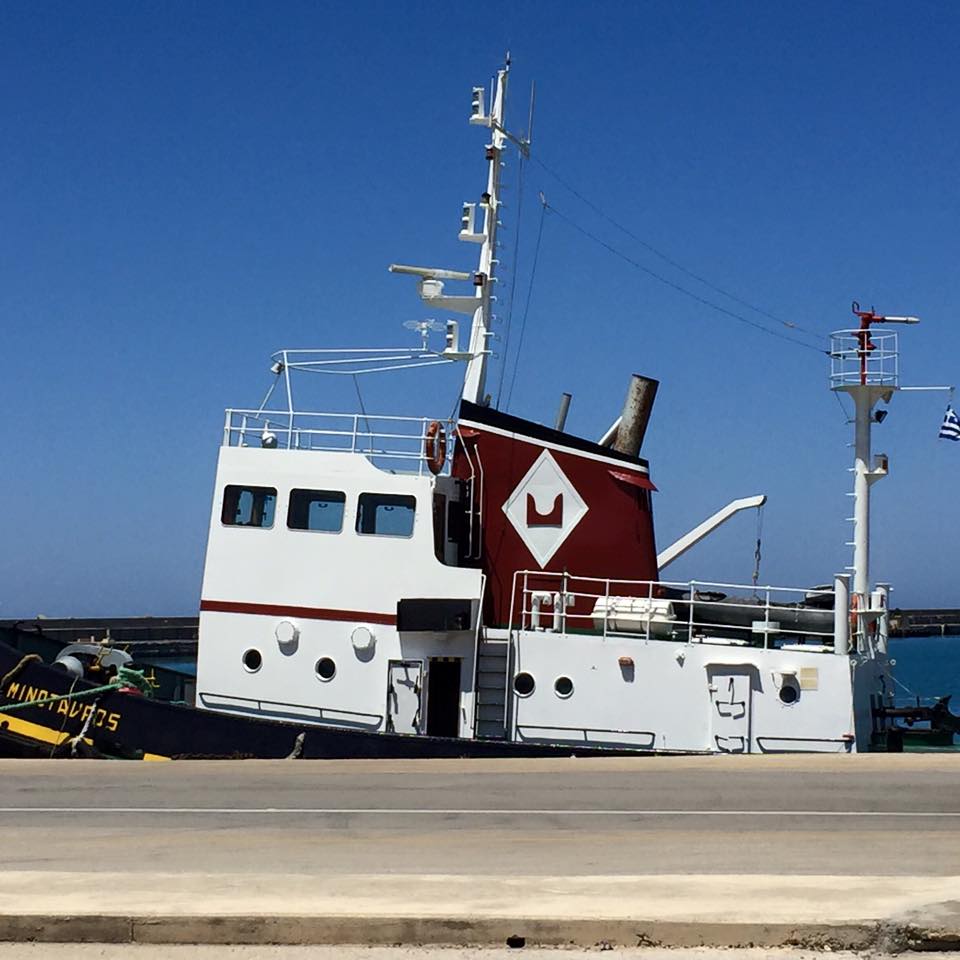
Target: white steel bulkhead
[[302, 623], [666, 694]]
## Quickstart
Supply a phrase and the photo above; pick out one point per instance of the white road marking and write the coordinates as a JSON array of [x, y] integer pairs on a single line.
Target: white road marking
[[495, 812]]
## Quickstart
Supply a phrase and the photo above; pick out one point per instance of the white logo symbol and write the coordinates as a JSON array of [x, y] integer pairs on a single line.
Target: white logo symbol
[[544, 508]]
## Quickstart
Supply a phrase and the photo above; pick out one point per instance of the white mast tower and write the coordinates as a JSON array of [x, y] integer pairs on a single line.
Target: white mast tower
[[479, 306], [865, 364]]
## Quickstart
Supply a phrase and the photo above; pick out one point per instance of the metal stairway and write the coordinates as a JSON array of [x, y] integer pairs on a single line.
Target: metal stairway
[[492, 665]]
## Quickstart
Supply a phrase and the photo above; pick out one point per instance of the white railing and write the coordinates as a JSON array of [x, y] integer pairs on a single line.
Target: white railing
[[693, 611], [397, 443], [859, 357]]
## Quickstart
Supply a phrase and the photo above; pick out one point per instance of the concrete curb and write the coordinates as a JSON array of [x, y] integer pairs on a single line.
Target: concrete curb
[[466, 931]]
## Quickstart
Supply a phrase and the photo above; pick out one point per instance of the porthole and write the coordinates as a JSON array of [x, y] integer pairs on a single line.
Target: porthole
[[789, 693], [523, 684], [252, 660], [326, 669], [563, 687]]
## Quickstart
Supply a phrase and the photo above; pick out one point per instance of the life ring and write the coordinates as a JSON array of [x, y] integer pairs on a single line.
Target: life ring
[[435, 446]]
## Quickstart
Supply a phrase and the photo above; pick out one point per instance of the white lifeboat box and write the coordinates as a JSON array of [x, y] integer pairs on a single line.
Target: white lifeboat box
[[635, 615]]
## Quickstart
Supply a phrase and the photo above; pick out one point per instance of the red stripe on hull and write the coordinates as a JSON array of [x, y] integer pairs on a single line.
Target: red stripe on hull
[[308, 613]]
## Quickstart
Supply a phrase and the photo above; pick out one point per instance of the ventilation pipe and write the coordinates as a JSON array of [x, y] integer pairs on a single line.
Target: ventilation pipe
[[636, 415], [562, 412]]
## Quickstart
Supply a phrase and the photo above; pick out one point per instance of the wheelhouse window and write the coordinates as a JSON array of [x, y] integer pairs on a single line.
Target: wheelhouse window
[[386, 514], [248, 506], [316, 510]]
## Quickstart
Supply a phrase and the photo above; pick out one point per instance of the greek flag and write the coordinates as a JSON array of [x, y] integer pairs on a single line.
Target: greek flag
[[950, 428]]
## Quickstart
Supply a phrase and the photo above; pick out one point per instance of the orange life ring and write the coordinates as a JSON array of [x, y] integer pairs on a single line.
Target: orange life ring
[[435, 446]]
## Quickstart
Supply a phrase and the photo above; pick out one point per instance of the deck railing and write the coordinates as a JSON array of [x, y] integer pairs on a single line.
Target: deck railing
[[692, 611], [859, 357], [394, 443]]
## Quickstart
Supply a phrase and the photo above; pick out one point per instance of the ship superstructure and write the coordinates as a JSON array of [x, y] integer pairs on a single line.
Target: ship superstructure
[[485, 577]]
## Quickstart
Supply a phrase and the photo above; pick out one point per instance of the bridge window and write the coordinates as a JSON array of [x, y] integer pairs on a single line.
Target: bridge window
[[248, 506], [316, 510], [386, 514]]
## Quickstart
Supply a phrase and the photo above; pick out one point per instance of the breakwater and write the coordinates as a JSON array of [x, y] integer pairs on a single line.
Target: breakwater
[[930, 622]]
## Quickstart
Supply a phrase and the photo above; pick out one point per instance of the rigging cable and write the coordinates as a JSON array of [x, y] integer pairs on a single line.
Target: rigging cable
[[513, 282], [846, 416], [756, 552], [356, 384], [266, 399], [673, 263], [526, 308], [680, 289], [66, 717]]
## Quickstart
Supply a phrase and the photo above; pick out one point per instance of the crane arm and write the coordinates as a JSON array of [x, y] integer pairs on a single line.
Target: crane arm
[[691, 539]]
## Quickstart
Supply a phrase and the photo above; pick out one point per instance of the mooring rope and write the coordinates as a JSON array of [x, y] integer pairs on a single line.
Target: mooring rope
[[126, 677], [15, 671]]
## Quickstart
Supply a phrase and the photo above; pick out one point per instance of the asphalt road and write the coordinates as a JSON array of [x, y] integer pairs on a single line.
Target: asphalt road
[[873, 815]]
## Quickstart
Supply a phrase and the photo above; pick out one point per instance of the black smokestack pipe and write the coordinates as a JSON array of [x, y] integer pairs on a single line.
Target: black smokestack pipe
[[636, 414]]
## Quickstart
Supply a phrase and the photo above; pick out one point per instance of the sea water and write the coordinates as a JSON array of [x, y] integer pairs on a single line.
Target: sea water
[[928, 668]]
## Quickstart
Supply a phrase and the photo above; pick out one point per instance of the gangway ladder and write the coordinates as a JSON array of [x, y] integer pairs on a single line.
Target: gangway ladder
[[493, 665]]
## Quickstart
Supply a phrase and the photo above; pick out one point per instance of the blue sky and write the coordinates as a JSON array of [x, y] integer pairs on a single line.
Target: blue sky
[[187, 187]]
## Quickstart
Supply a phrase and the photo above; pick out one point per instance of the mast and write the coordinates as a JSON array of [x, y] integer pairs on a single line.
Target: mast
[[474, 380], [479, 305], [865, 364]]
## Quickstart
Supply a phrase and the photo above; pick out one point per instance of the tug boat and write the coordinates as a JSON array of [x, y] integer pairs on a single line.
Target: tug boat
[[480, 584]]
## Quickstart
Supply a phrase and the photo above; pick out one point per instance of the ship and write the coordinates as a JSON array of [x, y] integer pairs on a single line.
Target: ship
[[479, 584]]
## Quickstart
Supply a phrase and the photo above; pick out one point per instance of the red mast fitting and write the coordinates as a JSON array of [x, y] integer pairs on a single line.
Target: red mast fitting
[[863, 335], [866, 344]]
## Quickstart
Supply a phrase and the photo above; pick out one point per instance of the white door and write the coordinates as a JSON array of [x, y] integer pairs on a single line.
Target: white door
[[730, 711], [404, 685]]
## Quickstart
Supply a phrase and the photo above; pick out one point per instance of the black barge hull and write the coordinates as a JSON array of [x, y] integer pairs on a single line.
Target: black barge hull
[[131, 726]]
